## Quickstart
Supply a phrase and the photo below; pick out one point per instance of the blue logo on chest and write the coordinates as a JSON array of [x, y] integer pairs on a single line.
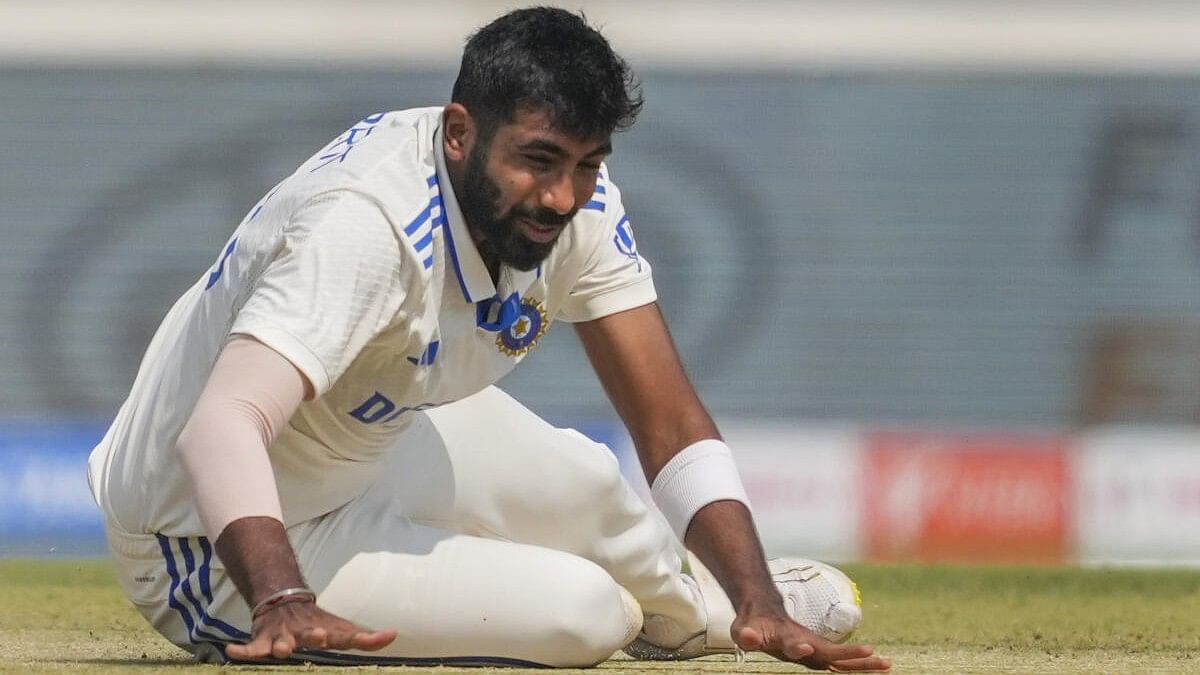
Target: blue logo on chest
[[524, 332]]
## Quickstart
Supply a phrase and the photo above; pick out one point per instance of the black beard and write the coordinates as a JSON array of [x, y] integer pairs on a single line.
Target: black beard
[[502, 240]]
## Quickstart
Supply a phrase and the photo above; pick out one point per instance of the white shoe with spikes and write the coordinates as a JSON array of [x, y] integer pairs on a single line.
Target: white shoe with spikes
[[817, 596]]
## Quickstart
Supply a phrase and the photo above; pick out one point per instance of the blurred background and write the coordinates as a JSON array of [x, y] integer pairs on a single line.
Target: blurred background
[[934, 266]]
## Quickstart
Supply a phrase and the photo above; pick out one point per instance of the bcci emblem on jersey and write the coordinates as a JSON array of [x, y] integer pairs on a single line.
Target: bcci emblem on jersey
[[524, 333]]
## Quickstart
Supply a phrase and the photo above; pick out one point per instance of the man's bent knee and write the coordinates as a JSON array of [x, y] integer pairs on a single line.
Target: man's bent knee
[[596, 618]]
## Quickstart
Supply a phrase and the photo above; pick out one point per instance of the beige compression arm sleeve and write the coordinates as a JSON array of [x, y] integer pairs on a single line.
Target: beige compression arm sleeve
[[250, 395]]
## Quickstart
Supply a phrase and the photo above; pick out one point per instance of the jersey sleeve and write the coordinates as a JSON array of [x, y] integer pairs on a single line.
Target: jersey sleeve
[[333, 286], [616, 276]]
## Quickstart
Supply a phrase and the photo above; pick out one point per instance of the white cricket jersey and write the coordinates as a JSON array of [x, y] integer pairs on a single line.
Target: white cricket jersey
[[360, 270]]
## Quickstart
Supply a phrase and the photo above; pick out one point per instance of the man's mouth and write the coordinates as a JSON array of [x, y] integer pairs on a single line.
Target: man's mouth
[[538, 232]]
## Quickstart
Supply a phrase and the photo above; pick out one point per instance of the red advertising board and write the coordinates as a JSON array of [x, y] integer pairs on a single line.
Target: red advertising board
[[981, 497]]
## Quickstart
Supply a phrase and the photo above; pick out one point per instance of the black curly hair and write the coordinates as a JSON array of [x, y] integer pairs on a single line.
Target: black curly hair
[[546, 58]]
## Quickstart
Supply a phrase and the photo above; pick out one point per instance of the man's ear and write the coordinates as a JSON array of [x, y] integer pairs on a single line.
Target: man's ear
[[460, 132]]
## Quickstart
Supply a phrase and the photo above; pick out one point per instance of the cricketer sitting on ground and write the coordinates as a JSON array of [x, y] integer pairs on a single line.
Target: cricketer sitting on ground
[[313, 463]]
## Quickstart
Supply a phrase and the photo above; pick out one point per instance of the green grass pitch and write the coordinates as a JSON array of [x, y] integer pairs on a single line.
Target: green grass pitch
[[68, 615]]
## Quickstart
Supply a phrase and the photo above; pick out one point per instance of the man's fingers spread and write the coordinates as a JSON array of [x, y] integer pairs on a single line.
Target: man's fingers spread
[[340, 636], [797, 649], [872, 664], [373, 641], [847, 652], [238, 652], [750, 639], [258, 648], [314, 638], [282, 646]]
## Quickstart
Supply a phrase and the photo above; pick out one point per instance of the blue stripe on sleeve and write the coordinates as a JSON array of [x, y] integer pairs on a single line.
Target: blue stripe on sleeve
[[417, 222], [425, 241]]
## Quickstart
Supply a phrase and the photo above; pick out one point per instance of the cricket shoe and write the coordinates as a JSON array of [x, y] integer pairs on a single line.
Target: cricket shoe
[[817, 596]]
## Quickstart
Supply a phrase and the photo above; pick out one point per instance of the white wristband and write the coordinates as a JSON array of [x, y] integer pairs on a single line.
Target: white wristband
[[700, 474]]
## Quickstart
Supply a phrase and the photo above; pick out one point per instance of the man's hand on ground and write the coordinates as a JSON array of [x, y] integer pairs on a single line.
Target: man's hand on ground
[[259, 559], [282, 630], [787, 640]]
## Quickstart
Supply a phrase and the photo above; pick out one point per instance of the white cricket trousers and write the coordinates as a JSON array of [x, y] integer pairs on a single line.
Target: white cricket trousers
[[488, 538]]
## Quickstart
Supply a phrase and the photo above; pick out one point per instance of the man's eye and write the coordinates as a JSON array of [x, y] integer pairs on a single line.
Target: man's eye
[[539, 160]]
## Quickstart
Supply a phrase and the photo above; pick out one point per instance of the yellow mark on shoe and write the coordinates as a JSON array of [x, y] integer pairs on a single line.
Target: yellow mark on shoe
[[857, 593]]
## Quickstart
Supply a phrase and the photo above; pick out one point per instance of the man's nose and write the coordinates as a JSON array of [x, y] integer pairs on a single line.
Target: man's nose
[[559, 195]]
